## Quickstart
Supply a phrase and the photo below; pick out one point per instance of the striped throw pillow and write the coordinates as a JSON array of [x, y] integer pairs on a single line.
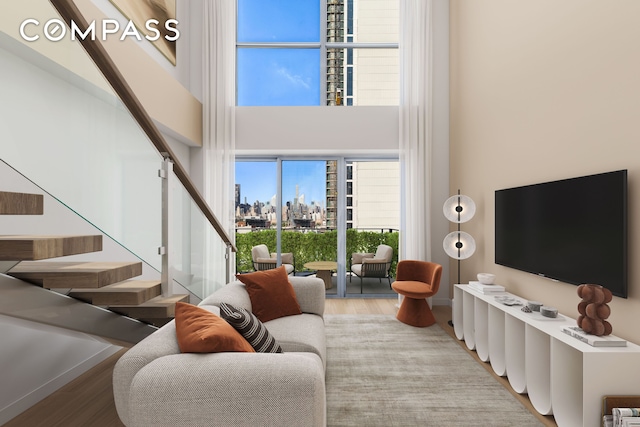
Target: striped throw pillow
[[251, 328]]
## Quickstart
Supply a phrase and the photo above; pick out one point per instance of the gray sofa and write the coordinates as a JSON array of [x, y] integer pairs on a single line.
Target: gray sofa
[[155, 384]]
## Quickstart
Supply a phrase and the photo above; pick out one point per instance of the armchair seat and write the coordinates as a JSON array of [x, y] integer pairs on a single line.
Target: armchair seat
[[413, 289], [372, 265], [416, 281], [263, 260]]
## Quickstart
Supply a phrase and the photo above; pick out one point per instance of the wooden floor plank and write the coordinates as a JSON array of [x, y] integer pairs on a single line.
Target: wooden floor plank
[[86, 401]]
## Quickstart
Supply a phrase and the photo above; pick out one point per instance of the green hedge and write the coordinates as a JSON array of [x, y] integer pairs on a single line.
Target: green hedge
[[308, 247]]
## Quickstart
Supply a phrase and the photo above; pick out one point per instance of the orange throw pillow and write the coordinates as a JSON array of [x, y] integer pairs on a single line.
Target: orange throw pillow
[[201, 331], [271, 294]]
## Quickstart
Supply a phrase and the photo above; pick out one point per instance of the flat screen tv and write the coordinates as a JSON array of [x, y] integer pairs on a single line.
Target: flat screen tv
[[572, 230]]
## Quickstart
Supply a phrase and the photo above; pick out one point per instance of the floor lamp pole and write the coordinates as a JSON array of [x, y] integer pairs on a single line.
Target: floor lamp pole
[[459, 245]]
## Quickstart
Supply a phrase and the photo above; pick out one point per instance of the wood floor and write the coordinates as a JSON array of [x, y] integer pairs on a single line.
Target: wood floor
[[88, 400]]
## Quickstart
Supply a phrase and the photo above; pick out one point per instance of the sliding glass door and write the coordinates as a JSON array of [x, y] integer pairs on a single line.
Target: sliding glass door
[[309, 207], [255, 211], [372, 225], [315, 214]]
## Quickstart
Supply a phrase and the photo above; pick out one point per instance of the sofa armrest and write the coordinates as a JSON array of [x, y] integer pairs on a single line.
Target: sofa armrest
[[310, 293], [161, 343], [239, 389]]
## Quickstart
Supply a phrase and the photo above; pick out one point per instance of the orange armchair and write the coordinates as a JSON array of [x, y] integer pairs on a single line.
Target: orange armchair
[[417, 281]]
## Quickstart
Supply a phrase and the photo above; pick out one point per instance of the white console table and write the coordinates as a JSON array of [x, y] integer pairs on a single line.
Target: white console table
[[562, 375]]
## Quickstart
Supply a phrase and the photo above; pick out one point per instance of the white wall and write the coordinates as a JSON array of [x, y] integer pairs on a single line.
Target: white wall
[[317, 130]]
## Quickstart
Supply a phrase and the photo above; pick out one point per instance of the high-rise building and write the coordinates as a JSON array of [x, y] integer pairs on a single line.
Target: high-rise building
[[363, 76], [335, 57], [373, 200], [332, 194], [372, 197]]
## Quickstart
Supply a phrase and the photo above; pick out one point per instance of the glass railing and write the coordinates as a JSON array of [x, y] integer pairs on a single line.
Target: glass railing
[[199, 254], [64, 128], [77, 142]]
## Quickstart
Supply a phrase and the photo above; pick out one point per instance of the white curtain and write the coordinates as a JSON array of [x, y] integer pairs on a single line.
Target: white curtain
[[218, 139], [416, 127]]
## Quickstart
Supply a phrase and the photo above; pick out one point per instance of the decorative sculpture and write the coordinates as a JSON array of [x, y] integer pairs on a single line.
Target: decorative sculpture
[[594, 309]]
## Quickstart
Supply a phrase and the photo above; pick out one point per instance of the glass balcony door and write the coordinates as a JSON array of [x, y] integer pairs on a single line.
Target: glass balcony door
[[372, 226], [315, 214], [309, 218], [256, 212], [291, 207]]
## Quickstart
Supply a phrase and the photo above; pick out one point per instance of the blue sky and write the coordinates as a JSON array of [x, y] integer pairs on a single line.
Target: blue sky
[[278, 20], [258, 180], [278, 76]]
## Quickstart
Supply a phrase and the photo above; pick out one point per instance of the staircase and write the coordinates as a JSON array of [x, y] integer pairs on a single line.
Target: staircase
[[110, 285]]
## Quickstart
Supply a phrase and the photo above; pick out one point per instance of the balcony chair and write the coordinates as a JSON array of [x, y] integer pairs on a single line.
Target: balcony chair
[[372, 265], [263, 260], [417, 281]]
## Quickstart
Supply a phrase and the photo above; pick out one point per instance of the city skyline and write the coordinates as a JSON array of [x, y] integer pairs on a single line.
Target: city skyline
[[258, 180]]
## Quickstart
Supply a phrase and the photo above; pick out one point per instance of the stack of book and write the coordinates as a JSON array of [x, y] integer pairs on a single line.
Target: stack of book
[[485, 289], [623, 417], [594, 340]]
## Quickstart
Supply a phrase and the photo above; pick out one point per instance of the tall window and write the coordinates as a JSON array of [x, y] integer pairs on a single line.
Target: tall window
[[298, 53]]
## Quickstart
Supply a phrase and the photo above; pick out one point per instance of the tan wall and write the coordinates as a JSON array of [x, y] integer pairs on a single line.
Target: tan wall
[[166, 100], [544, 90]]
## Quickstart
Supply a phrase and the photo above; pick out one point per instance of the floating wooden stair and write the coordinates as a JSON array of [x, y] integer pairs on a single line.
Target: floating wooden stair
[[157, 311], [75, 274], [32, 248], [21, 203], [130, 292], [105, 284]]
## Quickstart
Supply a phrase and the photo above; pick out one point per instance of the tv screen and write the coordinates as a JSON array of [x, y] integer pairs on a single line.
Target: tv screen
[[572, 230]]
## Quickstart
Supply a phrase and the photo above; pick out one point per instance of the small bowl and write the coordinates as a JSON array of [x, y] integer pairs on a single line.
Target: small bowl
[[549, 311], [534, 305], [486, 278]]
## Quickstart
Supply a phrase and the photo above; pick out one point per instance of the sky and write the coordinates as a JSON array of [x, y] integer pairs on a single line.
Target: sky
[[278, 76], [258, 180]]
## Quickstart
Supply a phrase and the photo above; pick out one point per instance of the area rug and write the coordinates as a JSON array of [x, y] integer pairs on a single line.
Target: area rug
[[381, 372]]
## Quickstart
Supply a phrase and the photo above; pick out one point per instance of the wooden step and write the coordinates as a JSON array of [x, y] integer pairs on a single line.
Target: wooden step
[[75, 274], [156, 308], [130, 292], [32, 248], [21, 203]]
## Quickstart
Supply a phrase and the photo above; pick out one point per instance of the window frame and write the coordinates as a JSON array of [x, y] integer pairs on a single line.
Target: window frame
[[323, 46]]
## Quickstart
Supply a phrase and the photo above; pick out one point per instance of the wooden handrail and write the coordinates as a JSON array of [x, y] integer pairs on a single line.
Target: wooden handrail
[[70, 12]]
